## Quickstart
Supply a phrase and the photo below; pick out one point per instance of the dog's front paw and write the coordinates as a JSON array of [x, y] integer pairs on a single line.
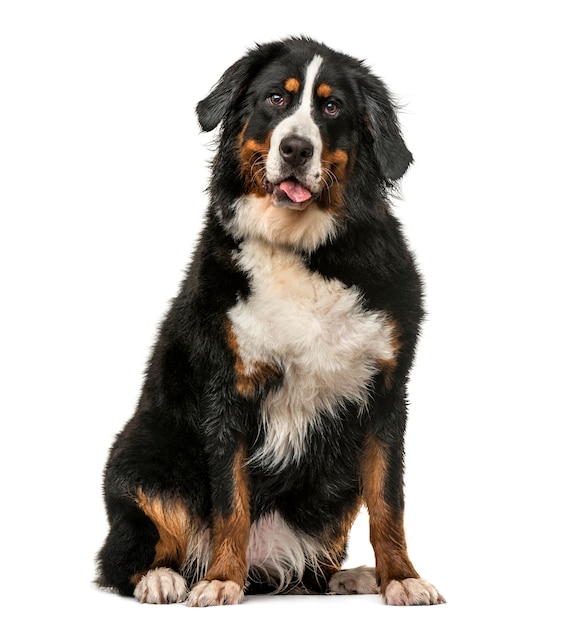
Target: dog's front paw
[[215, 593], [411, 591], [161, 586], [357, 580]]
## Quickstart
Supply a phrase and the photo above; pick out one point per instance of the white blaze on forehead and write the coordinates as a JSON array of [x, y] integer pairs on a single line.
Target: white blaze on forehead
[[309, 88], [301, 124]]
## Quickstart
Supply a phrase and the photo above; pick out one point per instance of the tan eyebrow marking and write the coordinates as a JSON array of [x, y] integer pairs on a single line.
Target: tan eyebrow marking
[[292, 85], [324, 90]]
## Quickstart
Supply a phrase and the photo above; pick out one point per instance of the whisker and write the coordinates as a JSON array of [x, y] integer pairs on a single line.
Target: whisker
[[329, 179], [257, 175]]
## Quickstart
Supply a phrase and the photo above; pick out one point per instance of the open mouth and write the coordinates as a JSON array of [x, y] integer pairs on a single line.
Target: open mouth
[[290, 193]]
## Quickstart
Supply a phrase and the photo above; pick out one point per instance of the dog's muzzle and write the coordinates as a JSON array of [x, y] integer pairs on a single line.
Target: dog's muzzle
[[294, 188]]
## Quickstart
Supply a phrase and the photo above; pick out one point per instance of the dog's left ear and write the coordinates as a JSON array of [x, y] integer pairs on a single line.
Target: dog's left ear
[[233, 83], [391, 153]]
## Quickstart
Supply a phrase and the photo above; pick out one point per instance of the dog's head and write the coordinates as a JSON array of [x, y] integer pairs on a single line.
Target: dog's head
[[302, 126]]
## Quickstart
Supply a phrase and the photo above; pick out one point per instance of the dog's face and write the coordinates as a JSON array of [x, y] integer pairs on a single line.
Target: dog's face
[[305, 124], [297, 135]]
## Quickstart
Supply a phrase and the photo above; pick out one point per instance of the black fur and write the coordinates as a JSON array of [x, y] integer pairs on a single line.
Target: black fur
[[190, 419]]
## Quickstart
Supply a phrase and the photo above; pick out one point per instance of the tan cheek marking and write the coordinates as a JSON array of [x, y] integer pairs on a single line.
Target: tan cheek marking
[[251, 145], [292, 85], [339, 158], [252, 156], [324, 90], [335, 171], [386, 522]]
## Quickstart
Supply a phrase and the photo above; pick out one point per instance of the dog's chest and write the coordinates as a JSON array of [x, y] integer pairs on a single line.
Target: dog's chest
[[314, 330]]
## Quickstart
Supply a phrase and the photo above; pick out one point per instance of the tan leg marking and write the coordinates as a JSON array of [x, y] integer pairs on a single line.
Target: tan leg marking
[[225, 579], [386, 523]]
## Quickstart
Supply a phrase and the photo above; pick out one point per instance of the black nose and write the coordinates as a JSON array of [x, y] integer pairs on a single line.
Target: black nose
[[295, 150]]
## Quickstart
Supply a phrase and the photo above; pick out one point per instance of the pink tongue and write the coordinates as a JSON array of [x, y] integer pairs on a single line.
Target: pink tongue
[[295, 191]]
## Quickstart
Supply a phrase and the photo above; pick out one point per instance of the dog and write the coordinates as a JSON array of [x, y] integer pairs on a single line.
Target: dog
[[274, 402]]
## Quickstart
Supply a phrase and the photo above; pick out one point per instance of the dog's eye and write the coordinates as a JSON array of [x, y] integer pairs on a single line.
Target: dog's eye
[[331, 108], [276, 99]]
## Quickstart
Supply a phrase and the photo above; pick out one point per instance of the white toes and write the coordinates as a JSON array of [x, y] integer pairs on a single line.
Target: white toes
[[164, 586], [411, 591], [161, 586], [357, 580], [215, 593]]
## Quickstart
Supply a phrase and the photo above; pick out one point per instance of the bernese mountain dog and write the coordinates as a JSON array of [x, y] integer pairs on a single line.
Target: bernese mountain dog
[[274, 403]]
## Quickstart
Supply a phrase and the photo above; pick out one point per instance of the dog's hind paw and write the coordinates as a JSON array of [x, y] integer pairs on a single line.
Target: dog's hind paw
[[357, 580], [215, 593], [411, 591], [161, 586]]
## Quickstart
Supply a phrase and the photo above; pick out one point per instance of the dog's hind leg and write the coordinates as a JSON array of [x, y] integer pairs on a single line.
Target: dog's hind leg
[[146, 547], [129, 549], [161, 585], [351, 581]]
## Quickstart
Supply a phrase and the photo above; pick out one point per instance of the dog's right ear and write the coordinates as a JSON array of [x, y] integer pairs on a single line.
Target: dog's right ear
[[232, 85], [213, 108]]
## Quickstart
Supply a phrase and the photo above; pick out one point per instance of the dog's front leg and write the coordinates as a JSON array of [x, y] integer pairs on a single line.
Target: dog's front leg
[[382, 481], [225, 578]]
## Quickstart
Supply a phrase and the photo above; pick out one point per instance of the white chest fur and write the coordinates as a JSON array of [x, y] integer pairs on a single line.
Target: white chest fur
[[317, 332]]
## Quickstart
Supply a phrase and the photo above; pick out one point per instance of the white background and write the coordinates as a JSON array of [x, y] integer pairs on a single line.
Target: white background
[[102, 178]]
